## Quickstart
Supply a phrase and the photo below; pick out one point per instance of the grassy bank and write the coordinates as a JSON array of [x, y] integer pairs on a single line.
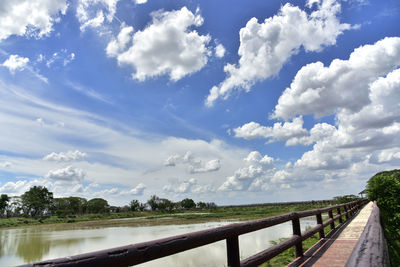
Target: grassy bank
[[157, 217]]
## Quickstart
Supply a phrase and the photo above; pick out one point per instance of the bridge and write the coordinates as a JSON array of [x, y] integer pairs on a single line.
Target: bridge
[[355, 238]]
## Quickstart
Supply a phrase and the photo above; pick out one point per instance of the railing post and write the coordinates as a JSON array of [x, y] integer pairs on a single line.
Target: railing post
[[297, 231], [345, 210], [331, 217], [319, 222], [340, 213], [232, 250]]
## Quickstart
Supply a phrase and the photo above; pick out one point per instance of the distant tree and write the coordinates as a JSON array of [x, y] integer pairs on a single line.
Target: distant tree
[[211, 205], [14, 207], [346, 198], [201, 205], [165, 204], [37, 201], [4, 199], [188, 204], [97, 205], [153, 202], [77, 204], [135, 205]]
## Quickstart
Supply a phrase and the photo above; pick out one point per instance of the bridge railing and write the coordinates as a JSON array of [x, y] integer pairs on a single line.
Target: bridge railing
[[151, 250]]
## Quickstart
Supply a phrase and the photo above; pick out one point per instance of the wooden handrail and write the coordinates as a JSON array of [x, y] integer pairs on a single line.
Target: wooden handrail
[[151, 250]]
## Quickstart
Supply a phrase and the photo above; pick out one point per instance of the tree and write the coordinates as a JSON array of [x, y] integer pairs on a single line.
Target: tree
[[97, 205], [346, 198], [4, 199], [201, 205], [153, 202], [36, 201], [384, 187], [77, 204], [135, 205], [188, 204]]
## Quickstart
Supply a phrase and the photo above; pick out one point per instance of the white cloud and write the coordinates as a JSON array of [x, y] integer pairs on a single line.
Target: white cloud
[[15, 63], [168, 45], [61, 56], [251, 176], [138, 190], [29, 17], [65, 156], [210, 166], [68, 174], [93, 13], [266, 47], [279, 132], [321, 90], [140, 2], [188, 186], [194, 165], [219, 51]]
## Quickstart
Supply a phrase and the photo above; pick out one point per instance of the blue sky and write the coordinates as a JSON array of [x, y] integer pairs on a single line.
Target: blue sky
[[226, 101]]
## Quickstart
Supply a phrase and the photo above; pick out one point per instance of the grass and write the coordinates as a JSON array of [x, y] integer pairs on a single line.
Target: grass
[[158, 217]]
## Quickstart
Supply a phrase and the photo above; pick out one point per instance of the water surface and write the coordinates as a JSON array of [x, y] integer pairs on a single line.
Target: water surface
[[31, 244]]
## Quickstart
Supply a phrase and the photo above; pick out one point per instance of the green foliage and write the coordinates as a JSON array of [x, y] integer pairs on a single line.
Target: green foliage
[[201, 205], [384, 187], [97, 205], [36, 201], [346, 198], [135, 205], [4, 199], [188, 204]]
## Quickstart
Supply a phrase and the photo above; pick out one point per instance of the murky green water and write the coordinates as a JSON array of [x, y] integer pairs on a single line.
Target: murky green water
[[31, 244]]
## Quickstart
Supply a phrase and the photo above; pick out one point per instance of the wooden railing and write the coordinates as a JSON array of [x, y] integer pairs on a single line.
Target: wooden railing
[[147, 251], [371, 248]]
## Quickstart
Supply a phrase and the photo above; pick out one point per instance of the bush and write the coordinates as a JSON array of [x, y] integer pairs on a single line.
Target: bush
[[384, 187]]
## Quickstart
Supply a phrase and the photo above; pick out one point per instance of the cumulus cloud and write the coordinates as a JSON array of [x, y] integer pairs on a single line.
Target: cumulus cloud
[[15, 63], [65, 156], [168, 45], [278, 132], [322, 90], [219, 51], [136, 191], [188, 186], [93, 13], [250, 176], [363, 94], [29, 17], [266, 47], [194, 165], [68, 174], [140, 2]]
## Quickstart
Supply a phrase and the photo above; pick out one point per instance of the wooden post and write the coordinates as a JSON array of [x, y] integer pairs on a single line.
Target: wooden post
[[340, 213], [331, 217], [232, 249], [297, 231], [345, 210], [319, 221]]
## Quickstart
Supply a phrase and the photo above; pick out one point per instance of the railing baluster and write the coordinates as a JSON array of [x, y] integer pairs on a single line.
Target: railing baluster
[[297, 231], [319, 221], [232, 250], [331, 217], [340, 213], [345, 210]]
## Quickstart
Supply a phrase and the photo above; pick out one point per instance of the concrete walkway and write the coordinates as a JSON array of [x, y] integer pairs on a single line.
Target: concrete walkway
[[336, 250]]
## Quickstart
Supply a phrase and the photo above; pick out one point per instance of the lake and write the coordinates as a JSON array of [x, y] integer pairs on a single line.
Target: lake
[[37, 243]]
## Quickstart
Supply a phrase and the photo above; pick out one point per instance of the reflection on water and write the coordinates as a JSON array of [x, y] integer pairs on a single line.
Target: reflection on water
[[19, 246]]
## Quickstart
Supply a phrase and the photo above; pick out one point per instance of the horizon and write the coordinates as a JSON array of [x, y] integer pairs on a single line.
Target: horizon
[[217, 101]]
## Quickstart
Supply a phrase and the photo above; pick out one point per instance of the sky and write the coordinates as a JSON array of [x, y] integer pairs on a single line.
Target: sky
[[228, 101]]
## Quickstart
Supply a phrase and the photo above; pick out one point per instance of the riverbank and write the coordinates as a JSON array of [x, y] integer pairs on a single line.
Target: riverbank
[[148, 218]]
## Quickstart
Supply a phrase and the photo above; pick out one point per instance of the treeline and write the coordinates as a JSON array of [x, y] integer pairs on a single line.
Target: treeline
[[39, 201]]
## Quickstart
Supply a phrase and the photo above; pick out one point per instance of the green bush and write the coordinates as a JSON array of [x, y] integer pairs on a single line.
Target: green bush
[[384, 188]]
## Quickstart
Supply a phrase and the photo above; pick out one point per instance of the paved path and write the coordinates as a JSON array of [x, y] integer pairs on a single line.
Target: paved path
[[336, 250]]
